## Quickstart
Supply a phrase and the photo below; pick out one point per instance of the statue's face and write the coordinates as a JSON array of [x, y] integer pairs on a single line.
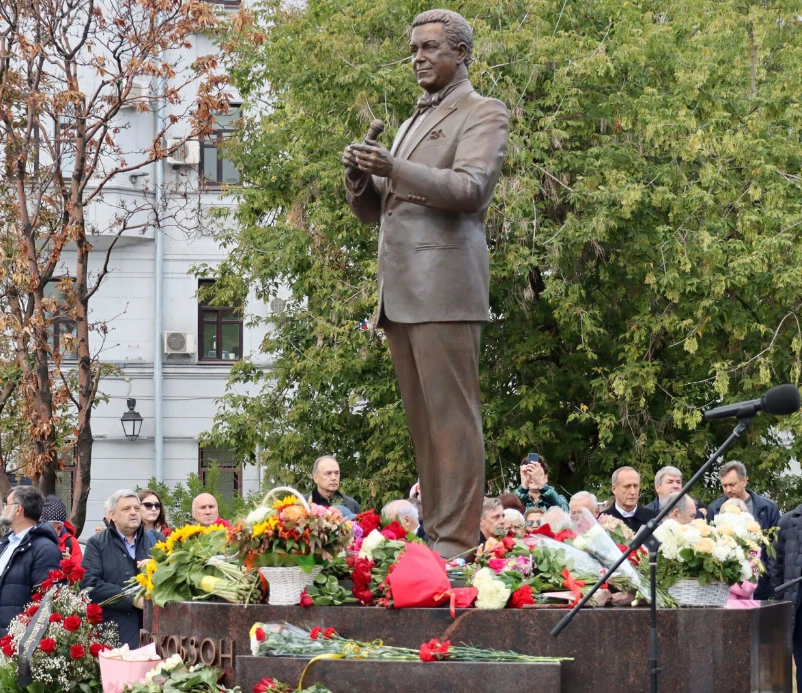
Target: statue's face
[[435, 62]]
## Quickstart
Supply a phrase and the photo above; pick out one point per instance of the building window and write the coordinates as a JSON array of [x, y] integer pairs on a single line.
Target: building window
[[229, 479], [214, 169], [220, 330], [62, 324]]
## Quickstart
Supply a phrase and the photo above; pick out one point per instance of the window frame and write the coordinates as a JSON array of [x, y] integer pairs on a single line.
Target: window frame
[[212, 140], [237, 470], [219, 323]]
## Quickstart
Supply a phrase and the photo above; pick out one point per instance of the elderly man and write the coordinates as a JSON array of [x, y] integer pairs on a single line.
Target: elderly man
[[491, 523], [113, 557], [684, 511], [431, 193], [626, 489], [205, 511], [326, 475], [668, 480], [734, 482], [28, 551], [583, 499], [407, 514]]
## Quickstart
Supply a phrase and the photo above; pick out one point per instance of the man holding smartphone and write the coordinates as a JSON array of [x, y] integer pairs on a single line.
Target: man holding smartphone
[[534, 491]]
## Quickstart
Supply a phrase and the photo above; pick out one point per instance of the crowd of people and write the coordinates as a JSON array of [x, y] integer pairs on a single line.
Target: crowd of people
[[39, 537]]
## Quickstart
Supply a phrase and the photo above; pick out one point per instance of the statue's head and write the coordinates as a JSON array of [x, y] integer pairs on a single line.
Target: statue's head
[[441, 42]]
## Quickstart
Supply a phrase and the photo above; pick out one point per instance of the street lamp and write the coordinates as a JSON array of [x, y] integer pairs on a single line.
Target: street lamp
[[131, 421]]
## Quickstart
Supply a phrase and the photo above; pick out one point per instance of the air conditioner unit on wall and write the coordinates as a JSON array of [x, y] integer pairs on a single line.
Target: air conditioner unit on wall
[[188, 154], [140, 90], [179, 342]]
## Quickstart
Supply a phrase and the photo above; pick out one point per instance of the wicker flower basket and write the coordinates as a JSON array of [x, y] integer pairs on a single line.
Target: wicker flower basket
[[287, 583], [691, 593]]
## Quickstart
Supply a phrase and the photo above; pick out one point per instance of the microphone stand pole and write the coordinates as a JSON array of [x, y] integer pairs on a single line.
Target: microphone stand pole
[[644, 536]]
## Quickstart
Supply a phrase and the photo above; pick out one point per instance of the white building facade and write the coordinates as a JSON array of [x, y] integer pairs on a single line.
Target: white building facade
[[175, 392]]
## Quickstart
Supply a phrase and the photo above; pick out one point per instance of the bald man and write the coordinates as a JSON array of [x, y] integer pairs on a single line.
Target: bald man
[[205, 511]]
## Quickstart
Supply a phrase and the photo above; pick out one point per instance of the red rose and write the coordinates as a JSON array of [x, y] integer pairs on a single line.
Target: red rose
[[396, 530], [306, 600], [36, 597], [508, 542], [8, 650], [521, 597], [94, 613], [259, 634], [77, 574], [265, 685], [329, 633], [54, 618], [72, 623], [315, 632], [499, 550], [5, 640], [368, 521], [77, 652], [96, 648], [31, 610], [565, 534], [364, 596], [55, 575], [47, 645], [361, 573]]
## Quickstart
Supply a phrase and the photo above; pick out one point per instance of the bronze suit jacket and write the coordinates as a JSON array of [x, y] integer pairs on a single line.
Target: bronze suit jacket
[[433, 259]]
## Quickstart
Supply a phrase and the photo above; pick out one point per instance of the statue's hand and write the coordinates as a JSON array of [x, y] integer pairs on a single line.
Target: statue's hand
[[349, 156], [372, 158]]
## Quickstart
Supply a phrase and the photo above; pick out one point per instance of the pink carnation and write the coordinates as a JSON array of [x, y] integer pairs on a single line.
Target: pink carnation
[[497, 565]]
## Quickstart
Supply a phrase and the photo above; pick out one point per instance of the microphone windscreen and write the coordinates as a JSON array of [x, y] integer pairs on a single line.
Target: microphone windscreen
[[782, 399]]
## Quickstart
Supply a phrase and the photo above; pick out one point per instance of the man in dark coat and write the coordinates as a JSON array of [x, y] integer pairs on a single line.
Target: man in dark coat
[[28, 551], [786, 566], [112, 558], [733, 482], [326, 475], [626, 489]]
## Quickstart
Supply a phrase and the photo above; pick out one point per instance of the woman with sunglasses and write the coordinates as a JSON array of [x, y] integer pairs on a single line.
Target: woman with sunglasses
[[151, 509]]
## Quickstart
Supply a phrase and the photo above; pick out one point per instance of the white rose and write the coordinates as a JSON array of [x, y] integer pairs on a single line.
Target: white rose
[[172, 662], [371, 542], [692, 535], [721, 553], [256, 516]]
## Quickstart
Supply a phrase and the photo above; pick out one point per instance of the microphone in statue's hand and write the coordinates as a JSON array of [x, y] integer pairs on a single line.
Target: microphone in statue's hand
[[376, 128], [782, 399]]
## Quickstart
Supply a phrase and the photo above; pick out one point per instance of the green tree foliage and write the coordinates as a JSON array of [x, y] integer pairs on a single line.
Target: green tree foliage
[[645, 235]]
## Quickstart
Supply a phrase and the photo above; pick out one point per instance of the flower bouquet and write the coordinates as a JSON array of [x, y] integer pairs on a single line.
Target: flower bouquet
[[267, 685], [191, 564], [285, 640], [172, 676], [698, 555], [289, 541], [66, 656]]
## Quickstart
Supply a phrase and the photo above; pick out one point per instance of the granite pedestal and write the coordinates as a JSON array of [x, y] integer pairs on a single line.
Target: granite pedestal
[[701, 650]]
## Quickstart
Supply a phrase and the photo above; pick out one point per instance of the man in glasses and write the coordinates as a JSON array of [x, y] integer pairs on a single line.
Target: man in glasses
[[28, 551], [55, 513]]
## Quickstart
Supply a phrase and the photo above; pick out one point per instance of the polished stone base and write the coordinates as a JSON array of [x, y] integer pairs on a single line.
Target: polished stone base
[[400, 677], [701, 650]]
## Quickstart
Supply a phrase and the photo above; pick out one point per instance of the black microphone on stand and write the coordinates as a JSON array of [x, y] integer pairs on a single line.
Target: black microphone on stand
[[782, 399]]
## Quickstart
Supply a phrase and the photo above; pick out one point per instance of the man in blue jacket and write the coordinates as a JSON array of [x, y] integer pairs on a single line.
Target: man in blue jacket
[[113, 557], [766, 513], [28, 551]]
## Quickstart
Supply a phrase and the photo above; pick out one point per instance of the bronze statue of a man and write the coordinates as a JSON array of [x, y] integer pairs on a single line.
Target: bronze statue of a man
[[431, 192]]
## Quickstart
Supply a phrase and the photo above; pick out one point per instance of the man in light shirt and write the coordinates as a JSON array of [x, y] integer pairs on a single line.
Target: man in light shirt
[[28, 551]]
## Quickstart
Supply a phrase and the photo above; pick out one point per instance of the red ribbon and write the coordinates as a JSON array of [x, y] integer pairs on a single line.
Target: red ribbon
[[452, 603], [573, 585]]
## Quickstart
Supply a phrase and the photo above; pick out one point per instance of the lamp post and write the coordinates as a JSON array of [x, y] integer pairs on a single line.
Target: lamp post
[[131, 421]]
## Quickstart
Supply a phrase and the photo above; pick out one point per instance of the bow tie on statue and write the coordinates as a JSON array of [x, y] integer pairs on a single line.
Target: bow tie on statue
[[426, 102]]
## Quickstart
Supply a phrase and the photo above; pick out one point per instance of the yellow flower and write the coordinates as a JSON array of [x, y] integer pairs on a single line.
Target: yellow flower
[[726, 530], [702, 527], [705, 545], [753, 527], [284, 502]]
